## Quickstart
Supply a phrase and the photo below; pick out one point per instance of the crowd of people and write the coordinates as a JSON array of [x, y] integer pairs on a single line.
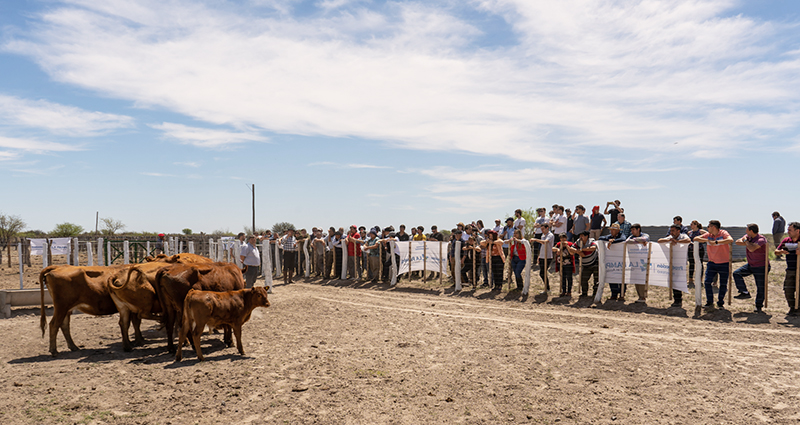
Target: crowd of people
[[559, 238]]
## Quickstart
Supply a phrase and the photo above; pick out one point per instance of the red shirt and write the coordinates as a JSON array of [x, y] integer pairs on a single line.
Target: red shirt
[[354, 249], [518, 249]]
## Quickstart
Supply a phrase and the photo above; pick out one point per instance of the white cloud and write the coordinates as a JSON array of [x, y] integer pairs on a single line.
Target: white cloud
[[36, 146], [58, 119], [156, 174], [580, 77], [188, 164], [205, 137], [6, 155]]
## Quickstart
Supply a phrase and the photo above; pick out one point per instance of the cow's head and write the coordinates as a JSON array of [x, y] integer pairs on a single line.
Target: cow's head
[[260, 297]]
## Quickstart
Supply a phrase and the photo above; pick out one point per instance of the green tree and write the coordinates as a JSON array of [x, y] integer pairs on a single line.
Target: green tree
[[187, 231], [66, 229], [111, 226], [282, 227], [10, 225]]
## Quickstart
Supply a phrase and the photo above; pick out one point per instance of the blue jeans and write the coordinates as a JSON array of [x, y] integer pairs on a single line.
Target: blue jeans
[[758, 274], [484, 270], [518, 266], [714, 269]]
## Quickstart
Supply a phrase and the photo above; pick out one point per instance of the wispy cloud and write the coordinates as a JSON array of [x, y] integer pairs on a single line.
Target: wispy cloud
[[578, 77], [206, 137], [188, 164], [366, 166], [36, 146], [58, 119]]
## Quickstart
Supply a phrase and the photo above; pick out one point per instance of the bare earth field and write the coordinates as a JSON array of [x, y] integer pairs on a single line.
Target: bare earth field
[[341, 352]]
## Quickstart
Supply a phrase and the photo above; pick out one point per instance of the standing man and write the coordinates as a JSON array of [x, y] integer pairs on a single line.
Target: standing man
[[641, 238], [353, 252], [624, 225], [676, 236], [498, 226], [613, 237], [559, 221], [318, 248], [330, 241], [251, 259], [778, 228], [580, 223], [586, 248], [436, 236], [289, 244], [718, 246], [372, 248], [540, 221], [613, 212], [788, 247], [678, 220], [545, 253], [756, 265], [598, 223], [519, 221]]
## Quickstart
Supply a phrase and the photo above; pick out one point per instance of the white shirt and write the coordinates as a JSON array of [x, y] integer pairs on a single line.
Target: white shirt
[[251, 255], [549, 251], [520, 224], [560, 218]]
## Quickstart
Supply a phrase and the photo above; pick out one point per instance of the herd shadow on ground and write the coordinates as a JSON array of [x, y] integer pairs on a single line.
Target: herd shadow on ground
[[153, 351]]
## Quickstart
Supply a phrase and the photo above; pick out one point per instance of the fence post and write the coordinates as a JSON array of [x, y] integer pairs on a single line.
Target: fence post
[[191, 247], [21, 270], [100, 256], [108, 253], [89, 259], [126, 256], [77, 258]]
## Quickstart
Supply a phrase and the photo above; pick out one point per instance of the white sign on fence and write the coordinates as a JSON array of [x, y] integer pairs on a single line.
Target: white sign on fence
[[424, 256], [37, 246], [659, 265]]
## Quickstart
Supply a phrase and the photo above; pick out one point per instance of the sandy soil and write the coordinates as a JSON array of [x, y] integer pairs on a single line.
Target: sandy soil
[[358, 353]]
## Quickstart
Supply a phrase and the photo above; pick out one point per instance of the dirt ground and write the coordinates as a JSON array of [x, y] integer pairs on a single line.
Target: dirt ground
[[341, 352]]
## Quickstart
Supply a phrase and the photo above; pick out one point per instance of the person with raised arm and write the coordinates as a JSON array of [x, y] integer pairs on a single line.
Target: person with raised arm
[[718, 245]]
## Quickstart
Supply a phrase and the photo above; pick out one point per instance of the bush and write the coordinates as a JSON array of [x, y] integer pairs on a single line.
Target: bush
[[66, 229], [187, 231]]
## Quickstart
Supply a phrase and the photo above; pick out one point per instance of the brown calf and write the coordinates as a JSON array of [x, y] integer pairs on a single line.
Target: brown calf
[[215, 309]]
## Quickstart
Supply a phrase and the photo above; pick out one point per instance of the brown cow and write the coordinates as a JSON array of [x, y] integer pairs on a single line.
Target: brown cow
[[174, 282], [77, 287], [215, 309], [133, 292], [183, 258]]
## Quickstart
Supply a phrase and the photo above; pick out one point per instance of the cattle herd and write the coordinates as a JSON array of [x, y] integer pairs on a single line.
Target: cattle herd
[[187, 290]]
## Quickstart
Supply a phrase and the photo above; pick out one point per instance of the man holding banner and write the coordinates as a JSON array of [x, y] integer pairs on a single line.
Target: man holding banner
[[615, 236], [719, 243], [545, 254], [756, 265], [788, 247], [676, 236]]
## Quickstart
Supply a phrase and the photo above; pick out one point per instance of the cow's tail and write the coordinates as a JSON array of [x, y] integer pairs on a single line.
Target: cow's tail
[[42, 312]]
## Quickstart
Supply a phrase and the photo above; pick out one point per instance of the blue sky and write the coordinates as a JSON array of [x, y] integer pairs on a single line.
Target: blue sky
[[162, 113]]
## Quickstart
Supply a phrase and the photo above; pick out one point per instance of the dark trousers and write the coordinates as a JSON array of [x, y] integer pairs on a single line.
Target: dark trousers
[[484, 270], [758, 274], [587, 271], [566, 279], [712, 271], [789, 287], [518, 266], [497, 271], [337, 265]]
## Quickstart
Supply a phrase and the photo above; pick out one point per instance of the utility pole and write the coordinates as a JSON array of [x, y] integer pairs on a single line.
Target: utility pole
[[254, 208], [96, 222]]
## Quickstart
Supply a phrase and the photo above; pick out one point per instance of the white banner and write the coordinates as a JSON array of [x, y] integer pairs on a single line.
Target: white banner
[[424, 256], [659, 265], [636, 259], [612, 261], [60, 246], [37, 246]]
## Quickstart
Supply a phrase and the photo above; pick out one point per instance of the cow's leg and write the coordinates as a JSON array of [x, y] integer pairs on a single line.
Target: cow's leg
[[55, 325], [67, 334], [181, 339], [124, 325], [237, 330], [169, 313], [198, 330], [227, 337], [138, 339]]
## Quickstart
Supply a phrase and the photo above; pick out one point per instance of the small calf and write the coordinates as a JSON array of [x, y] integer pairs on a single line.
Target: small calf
[[232, 308]]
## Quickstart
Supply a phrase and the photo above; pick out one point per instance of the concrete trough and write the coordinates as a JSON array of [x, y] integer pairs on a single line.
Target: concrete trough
[[22, 298]]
